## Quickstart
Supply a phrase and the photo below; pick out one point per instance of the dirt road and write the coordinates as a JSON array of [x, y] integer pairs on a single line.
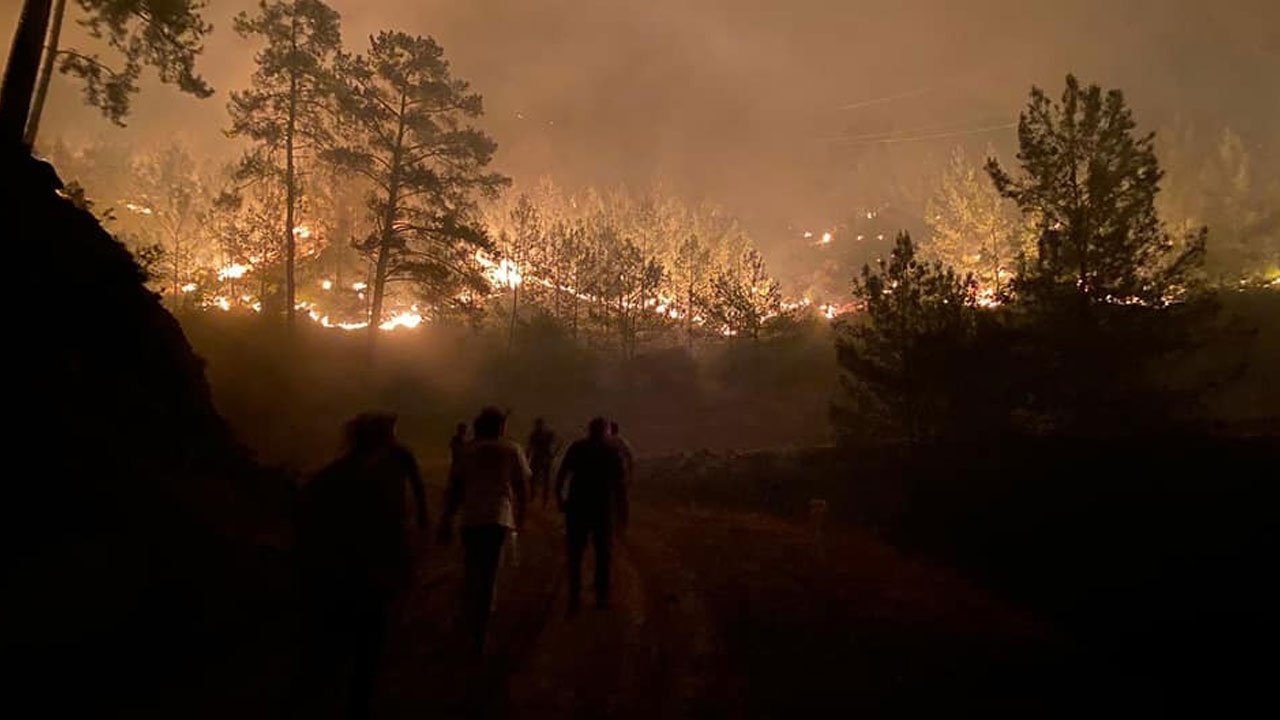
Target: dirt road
[[728, 615]]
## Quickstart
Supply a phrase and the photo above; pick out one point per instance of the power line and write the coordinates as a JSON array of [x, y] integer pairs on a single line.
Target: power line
[[940, 135], [890, 138], [885, 99], [891, 134]]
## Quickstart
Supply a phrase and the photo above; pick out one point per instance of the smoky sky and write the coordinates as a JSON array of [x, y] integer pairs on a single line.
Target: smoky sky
[[788, 113]]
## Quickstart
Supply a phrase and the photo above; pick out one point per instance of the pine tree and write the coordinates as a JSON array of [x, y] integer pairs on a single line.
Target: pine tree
[[165, 34], [1089, 183], [743, 297], [900, 356], [288, 106], [407, 130]]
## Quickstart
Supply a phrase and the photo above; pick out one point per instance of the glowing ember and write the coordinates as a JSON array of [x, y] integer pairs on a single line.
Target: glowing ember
[[826, 238], [359, 286], [140, 209], [233, 272], [807, 234], [987, 298], [326, 284], [189, 287]]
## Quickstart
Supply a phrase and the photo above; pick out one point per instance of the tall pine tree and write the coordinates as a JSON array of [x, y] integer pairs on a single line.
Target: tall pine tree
[[288, 107], [1089, 182], [407, 131]]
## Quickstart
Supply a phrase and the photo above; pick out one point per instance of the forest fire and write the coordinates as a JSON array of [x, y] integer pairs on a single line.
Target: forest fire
[[234, 271]]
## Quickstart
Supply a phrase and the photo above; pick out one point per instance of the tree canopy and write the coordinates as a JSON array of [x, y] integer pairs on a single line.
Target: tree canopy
[[407, 131], [1089, 182]]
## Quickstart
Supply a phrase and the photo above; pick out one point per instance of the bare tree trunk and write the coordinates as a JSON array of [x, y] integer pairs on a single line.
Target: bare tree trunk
[[46, 72], [575, 307], [290, 182], [21, 70], [388, 231], [688, 310], [379, 282], [515, 305], [622, 323], [176, 270]]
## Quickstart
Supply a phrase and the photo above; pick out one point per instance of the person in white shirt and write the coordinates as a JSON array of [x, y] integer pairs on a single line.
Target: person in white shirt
[[487, 488]]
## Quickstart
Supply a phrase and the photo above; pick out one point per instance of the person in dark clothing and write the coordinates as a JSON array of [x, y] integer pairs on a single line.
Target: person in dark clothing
[[594, 471], [458, 441], [628, 454], [542, 454], [487, 484], [355, 553]]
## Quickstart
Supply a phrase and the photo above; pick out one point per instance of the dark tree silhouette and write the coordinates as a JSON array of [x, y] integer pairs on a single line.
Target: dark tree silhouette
[[407, 130], [899, 356], [287, 109], [1089, 182], [165, 34], [1111, 296]]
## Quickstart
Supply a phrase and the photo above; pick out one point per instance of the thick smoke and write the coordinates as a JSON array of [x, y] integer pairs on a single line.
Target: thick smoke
[[790, 114]]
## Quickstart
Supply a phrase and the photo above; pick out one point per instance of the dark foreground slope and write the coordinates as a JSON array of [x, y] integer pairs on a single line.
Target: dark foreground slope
[[141, 533]]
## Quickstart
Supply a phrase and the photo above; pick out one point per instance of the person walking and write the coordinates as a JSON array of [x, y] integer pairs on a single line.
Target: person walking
[[356, 555], [592, 492], [487, 487], [628, 453], [457, 442], [542, 453]]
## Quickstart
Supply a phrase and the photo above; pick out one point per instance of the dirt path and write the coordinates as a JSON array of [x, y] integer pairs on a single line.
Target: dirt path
[[726, 615]]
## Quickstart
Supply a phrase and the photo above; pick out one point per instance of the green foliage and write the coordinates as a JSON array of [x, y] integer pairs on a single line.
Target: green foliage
[[165, 34], [1089, 184]]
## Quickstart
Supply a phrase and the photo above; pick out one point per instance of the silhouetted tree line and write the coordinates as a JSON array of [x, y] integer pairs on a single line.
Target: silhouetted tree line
[[1080, 340]]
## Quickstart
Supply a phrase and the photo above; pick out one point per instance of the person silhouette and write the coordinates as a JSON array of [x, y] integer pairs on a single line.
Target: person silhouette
[[541, 455], [355, 550], [593, 470], [458, 441], [624, 447]]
